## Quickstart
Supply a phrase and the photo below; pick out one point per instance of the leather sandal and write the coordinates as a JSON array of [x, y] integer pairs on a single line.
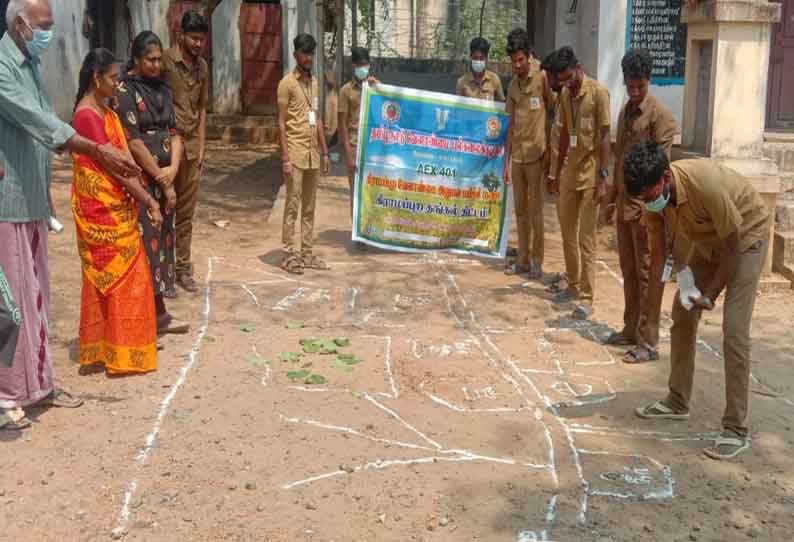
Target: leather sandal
[[187, 282], [292, 264]]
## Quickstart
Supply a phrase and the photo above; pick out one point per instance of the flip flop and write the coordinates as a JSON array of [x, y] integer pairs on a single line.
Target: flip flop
[[617, 338], [640, 354], [660, 411], [61, 399], [582, 312], [16, 425], [734, 445]]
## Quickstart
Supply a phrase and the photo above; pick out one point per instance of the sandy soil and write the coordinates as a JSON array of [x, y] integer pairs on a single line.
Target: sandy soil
[[478, 410]]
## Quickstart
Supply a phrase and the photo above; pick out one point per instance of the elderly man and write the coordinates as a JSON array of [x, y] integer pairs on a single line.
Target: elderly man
[[29, 131]]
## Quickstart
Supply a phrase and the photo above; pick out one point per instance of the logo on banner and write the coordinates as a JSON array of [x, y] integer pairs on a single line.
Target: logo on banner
[[494, 127], [391, 112]]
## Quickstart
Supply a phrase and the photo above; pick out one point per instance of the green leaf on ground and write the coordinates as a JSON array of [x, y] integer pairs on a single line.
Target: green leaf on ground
[[297, 375], [248, 328], [341, 365], [319, 346], [307, 365], [315, 380], [253, 360], [342, 342], [349, 359], [296, 325], [289, 357]]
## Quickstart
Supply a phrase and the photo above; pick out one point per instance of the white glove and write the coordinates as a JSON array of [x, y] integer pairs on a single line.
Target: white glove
[[687, 288]]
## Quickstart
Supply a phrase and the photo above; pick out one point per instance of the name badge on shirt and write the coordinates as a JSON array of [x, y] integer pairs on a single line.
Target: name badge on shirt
[[667, 274], [312, 118], [534, 103], [573, 141]]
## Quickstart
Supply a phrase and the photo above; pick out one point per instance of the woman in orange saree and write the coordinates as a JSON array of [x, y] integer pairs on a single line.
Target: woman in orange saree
[[118, 326]]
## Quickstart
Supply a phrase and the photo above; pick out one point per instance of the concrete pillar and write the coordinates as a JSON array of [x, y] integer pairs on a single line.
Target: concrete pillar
[[725, 91]]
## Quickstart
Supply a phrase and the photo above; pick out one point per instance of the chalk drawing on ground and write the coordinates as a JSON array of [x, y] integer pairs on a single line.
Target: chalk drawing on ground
[[509, 387]]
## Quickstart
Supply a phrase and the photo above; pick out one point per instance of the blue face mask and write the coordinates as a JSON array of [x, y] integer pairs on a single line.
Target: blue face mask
[[40, 42], [362, 72], [658, 205]]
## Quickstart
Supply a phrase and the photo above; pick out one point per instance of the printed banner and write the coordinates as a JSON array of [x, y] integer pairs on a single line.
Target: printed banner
[[430, 173]]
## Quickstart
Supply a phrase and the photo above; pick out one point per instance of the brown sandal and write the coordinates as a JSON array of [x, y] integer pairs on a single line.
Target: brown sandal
[[311, 261], [292, 264], [16, 425], [61, 399]]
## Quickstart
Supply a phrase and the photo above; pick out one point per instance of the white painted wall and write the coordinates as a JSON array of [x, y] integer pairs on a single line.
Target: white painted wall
[[227, 58], [611, 48], [740, 102], [61, 64], [150, 15]]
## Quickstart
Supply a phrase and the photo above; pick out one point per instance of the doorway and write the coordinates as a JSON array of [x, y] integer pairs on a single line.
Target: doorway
[[780, 105], [262, 55]]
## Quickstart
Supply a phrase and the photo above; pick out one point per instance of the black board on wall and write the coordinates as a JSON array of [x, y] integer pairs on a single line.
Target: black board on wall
[[655, 25]]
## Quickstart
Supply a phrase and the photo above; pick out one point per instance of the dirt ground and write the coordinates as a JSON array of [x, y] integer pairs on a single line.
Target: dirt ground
[[478, 411]]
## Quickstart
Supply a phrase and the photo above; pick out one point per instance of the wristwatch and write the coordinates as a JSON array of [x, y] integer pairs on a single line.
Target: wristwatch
[[603, 173]]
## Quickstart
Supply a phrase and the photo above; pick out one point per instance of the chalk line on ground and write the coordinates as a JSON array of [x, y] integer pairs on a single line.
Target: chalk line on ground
[[145, 452]]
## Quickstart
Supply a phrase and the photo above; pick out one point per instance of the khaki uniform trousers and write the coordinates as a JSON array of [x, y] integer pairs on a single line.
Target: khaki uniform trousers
[[351, 180], [186, 185], [301, 197], [528, 199], [578, 216], [737, 314], [635, 264]]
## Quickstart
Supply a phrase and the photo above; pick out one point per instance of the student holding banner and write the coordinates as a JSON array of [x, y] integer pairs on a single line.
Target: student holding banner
[[350, 111], [586, 143], [529, 97], [480, 82]]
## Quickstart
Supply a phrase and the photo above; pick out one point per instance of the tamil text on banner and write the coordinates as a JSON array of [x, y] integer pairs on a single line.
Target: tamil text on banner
[[430, 173]]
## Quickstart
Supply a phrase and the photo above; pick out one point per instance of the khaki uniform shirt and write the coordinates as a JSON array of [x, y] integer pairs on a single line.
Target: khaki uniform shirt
[[190, 88], [350, 103], [300, 97], [584, 116], [712, 202], [553, 133], [651, 121], [528, 102], [488, 88]]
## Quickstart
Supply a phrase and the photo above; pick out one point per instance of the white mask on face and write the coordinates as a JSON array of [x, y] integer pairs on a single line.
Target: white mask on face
[[362, 72], [478, 66]]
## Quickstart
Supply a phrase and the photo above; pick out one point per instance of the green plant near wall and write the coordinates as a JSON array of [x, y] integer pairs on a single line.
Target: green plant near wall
[[451, 41]]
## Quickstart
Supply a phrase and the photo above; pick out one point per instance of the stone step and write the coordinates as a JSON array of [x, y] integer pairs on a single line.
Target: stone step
[[784, 215], [241, 133], [783, 254], [266, 121], [245, 129]]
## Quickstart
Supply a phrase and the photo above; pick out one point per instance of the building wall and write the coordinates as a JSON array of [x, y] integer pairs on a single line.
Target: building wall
[[61, 64], [227, 58], [597, 32]]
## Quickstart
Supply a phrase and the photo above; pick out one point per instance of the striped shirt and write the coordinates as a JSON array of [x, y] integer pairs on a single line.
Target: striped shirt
[[29, 132]]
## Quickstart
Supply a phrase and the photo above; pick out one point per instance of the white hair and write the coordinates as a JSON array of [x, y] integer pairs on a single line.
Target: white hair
[[16, 8]]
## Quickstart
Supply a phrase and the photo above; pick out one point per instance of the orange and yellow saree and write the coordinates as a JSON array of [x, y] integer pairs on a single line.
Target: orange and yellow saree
[[118, 326]]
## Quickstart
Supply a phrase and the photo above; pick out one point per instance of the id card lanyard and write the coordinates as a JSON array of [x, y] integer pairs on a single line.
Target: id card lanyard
[[574, 123], [310, 103], [669, 242]]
